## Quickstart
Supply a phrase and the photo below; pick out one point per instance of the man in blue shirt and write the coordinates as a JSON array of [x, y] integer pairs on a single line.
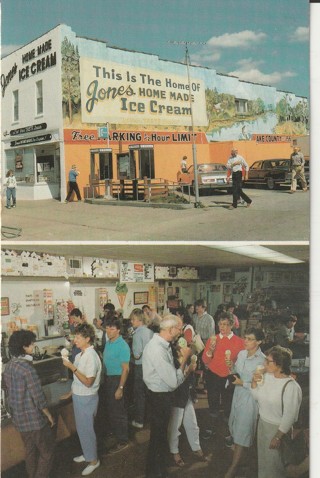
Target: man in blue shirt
[[162, 378], [116, 357], [73, 186]]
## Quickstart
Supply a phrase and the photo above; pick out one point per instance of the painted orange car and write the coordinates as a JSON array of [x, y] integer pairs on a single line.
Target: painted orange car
[[210, 176]]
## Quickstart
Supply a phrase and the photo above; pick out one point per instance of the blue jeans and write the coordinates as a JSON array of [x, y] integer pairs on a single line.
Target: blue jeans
[[85, 409], [11, 193]]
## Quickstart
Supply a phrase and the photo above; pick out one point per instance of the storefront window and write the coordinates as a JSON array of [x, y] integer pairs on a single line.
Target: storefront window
[[48, 166], [32, 166], [21, 161]]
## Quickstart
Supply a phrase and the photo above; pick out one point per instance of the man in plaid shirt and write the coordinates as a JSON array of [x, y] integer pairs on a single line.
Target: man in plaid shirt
[[28, 406]]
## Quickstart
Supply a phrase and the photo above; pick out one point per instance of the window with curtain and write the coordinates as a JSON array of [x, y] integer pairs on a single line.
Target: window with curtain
[[15, 105], [39, 97]]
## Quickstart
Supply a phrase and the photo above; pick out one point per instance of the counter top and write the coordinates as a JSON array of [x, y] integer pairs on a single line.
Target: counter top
[[53, 392]]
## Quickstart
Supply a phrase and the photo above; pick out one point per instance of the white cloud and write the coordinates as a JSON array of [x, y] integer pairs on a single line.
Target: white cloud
[[242, 39], [6, 49], [301, 34], [248, 71], [205, 57]]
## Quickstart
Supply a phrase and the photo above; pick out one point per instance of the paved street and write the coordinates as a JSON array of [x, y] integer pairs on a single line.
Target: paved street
[[273, 216]]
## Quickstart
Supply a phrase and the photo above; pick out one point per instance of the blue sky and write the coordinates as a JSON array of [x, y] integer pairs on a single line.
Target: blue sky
[[263, 41]]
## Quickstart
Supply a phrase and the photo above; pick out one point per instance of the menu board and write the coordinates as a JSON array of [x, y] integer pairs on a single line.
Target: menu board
[[136, 272]]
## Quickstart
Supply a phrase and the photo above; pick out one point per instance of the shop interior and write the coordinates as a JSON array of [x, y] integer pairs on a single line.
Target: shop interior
[[42, 283]]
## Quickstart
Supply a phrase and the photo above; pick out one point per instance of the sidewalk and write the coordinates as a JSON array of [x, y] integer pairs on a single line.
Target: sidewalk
[[269, 218]]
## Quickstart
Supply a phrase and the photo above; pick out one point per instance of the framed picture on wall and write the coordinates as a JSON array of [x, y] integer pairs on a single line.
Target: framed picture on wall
[[227, 289], [5, 308], [140, 298], [227, 276]]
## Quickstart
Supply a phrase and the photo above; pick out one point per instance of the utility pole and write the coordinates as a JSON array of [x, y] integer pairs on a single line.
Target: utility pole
[[194, 146]]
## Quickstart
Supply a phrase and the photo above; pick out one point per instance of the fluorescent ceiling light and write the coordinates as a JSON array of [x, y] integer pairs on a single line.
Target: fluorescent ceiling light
[[259, 252]]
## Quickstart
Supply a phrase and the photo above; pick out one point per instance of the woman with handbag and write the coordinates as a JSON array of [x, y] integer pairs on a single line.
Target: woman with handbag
[[279, 398], [244, 409]]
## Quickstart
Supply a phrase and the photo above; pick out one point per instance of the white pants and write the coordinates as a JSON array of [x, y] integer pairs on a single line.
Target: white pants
[[187, 417]]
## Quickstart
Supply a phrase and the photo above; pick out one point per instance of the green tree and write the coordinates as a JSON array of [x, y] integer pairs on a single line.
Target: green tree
[[281, 110], [71, 96]]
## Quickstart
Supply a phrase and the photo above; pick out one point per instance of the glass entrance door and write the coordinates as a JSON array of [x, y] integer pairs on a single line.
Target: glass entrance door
[[101, 165], [146, 163]]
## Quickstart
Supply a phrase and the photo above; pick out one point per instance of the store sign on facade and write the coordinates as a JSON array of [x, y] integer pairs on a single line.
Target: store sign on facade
[[129, 95], [35, 139]]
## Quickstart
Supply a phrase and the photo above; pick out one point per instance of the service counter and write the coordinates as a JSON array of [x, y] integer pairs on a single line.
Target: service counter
[[12, 448]]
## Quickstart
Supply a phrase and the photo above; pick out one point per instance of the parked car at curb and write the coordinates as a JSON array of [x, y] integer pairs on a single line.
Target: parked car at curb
[[210, 176], [273, 173]]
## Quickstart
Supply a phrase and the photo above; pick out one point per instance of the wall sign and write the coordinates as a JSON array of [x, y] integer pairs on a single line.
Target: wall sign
[[28, 129], [129, 94], [136, 272], [141, 298], [5, 309], [35, 139]]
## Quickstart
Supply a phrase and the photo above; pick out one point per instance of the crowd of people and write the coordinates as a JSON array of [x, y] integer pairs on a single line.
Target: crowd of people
[[250, 389]]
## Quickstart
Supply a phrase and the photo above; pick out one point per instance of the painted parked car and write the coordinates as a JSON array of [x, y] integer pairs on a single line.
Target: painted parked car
[[273, 173], [210, 176]]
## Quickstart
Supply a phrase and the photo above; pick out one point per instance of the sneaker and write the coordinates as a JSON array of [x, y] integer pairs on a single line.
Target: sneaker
[[79, 459], [207, 434], [8, 207], [228, 441], [90, 468], [14, 205], [136, 424], [118, 447]]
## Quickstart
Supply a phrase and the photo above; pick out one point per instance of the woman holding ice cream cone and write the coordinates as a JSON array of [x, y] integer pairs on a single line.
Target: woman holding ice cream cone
[[244, 409], [220, 352], [86, 371]]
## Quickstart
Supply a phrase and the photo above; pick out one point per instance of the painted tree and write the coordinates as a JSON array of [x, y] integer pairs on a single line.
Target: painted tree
[[70, 77]]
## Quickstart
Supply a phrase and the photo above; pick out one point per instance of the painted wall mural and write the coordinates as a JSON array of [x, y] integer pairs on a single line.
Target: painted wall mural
[[132, 91]]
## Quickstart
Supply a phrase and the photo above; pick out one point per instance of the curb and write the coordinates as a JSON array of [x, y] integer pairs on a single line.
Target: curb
[[105, 202]]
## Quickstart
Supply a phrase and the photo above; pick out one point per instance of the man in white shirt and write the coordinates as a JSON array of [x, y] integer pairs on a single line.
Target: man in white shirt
[[162, 378], [235, 166]]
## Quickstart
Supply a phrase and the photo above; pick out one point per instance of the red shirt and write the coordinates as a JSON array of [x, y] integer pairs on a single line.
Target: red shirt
[[217, 363]]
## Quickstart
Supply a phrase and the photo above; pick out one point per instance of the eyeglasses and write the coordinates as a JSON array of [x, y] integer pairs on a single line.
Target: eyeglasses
[[250, 339], [269, 361]]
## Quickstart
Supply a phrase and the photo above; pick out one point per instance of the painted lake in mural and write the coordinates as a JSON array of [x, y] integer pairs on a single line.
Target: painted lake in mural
[[245, 129]]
